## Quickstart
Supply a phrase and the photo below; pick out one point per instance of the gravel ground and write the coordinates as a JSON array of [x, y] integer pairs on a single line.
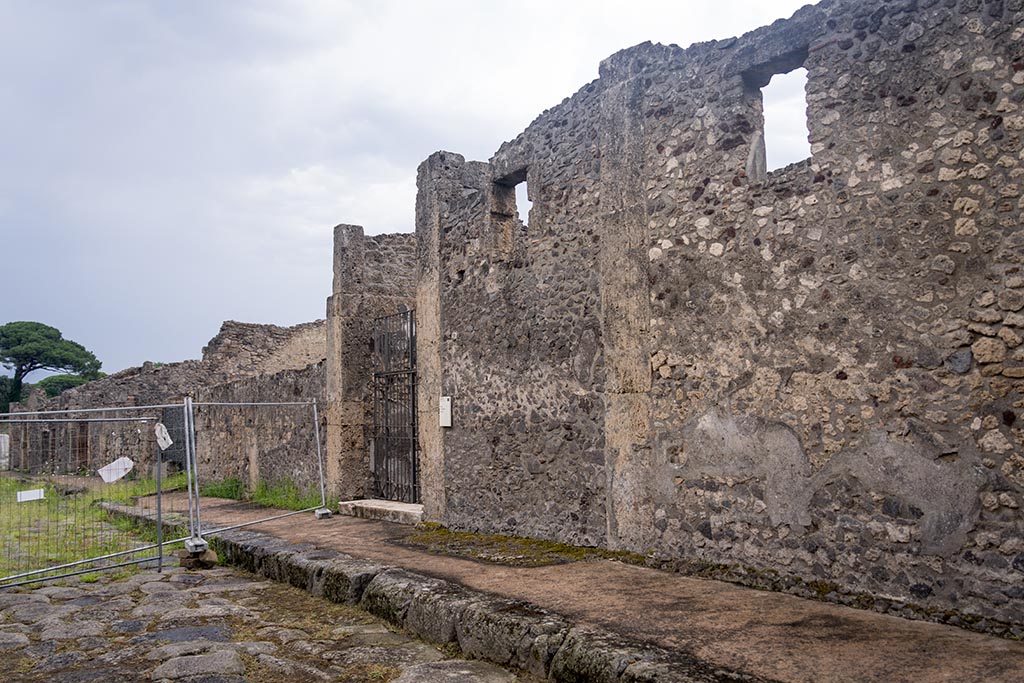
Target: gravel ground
[[215, 626]]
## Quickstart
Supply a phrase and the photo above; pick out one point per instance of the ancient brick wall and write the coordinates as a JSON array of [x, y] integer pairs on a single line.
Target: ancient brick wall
[[82, 447], [814, 371], [238, 350], [373, 276]]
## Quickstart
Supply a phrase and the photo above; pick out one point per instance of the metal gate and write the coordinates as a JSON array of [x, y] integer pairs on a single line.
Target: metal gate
[[394, 457]]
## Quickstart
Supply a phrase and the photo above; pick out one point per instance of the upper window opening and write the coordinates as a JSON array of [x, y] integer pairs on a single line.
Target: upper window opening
[[513, 196], [785, 119], [523, 203], [776, 96], [510, 210]]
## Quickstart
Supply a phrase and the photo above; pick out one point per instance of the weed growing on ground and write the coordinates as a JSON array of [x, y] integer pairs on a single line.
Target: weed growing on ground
[[284, 494], [230, 488], [67, 524]]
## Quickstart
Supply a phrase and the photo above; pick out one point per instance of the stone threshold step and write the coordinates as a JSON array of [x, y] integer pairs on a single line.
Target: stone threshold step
[[384, 510]]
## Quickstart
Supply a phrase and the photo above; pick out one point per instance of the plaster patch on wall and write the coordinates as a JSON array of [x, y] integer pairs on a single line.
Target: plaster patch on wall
[[745, 447]]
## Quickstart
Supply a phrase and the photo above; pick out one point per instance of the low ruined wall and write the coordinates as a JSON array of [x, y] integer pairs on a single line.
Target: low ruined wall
[[815, 371], [272, 445], [151, 384], [84, 444], [246, 349], [239, 350]]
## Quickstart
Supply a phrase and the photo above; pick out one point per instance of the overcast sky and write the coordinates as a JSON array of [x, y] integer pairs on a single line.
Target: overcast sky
[[169, 165]]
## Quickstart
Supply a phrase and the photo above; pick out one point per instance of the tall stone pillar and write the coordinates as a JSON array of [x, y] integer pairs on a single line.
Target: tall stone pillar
[[429, 182], [348, 369], [452, 210], [625, 314]]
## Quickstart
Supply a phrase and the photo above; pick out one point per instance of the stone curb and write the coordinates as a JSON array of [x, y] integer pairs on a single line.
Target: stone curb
[[507, 632]]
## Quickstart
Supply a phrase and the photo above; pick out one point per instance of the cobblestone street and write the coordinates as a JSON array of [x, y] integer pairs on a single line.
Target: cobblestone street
[[216, 626]]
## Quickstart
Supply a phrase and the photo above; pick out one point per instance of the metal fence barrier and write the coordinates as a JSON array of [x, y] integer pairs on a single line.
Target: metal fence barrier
[[62, 467], [258, 462], [210, 466]]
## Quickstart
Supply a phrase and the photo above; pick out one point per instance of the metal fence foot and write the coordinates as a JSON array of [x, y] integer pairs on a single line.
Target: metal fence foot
[[196, 546]]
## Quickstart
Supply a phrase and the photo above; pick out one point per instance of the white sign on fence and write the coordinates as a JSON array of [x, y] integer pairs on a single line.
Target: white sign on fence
[[163, 439], [116, 470], [31, 494]]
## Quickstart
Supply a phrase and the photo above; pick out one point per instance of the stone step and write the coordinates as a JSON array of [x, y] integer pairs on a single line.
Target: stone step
[[384, 510]]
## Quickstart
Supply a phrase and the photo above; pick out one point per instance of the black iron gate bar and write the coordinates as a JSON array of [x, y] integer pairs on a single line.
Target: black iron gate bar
[[394, 450], [394, 343]]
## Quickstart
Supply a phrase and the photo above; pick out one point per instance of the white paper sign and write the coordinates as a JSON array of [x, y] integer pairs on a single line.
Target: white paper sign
[[163, 439], [445, 411], [31, 494], [116, 470]]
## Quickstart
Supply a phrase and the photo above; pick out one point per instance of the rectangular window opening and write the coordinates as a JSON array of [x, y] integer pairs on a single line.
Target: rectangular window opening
[[512, 196], [523, 203], [777, 96], [510, 210], [785, 119]]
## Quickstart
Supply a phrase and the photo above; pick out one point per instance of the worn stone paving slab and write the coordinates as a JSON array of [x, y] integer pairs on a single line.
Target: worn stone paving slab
[[217, 626], [455, 672]]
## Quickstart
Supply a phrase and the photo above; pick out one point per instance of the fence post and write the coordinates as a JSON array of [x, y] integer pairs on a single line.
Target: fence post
[[195, 543], [188, 469], [324, 512], [159, 510]]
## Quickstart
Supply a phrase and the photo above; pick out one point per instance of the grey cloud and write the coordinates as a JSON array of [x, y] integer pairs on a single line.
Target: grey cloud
[[171, 165]]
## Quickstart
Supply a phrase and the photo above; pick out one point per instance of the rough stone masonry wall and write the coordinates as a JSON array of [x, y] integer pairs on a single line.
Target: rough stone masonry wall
[[815, 371], [373, 277], [273, 445], [246, 349], [239, 350], [59, 447]]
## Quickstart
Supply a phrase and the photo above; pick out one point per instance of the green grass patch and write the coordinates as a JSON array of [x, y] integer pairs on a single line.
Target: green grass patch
[[67, 525], [127, 491], [231, 488], [284, 495]]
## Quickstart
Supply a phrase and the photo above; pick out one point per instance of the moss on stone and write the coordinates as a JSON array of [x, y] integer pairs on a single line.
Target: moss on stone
[[513, 551]]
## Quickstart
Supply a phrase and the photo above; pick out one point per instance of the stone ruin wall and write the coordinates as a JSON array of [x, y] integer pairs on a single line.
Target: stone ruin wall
[[274, 445], [246, 349], [373, 276], [815, 371], [240, 350], [59, 447]]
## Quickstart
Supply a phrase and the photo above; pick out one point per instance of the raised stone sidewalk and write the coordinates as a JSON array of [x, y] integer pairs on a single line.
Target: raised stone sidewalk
[[602, 620]]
